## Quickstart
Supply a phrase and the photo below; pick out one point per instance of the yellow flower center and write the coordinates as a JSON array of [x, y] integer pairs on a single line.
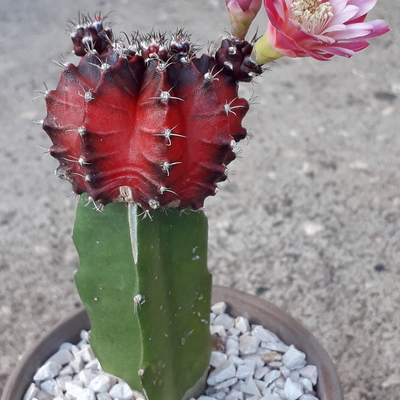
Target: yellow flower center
[[313, 15]]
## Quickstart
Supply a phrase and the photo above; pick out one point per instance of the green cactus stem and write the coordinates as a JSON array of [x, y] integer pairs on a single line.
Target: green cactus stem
[[146, 287]]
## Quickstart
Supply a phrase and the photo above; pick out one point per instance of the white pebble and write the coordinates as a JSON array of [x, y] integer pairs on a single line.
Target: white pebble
[[93, 364], [212, 317], [270, 396], [236, 360], [104, 396], [307, 385], [226, 384], [242, 324], [100, 383], [308, 397], [219, 395], [86, 353], [224, 371], [310, 372], [210, 391], [62, 380], [31, 392], [261, 385], [84, 335], [67, 370], [253, 358], [244, 371], [51, 386], [219, 330], [285, 371], [82, 344], [275, 346], [218, 308], [217, 358], [295, 375], [293, 390], [77, 364], [248, 344], [264, 334], [234, 395], [225, 320], [62, 356], [42, 395], [260, 372], [86, 376], [66, 346], [206, 398], [280, 382], [231, 347], [121, 391], [294, 359], [250, 362], [271, 376], [249, 387], [74, 388], [74, 349], [280, 393], [47, 371], [86, 394], [234, 333]]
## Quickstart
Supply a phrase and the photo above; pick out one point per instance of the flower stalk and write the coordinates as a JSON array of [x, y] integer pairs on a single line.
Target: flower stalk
[[263, 52]]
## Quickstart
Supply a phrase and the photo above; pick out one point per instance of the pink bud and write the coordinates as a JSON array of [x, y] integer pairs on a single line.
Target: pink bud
[[242, 14]]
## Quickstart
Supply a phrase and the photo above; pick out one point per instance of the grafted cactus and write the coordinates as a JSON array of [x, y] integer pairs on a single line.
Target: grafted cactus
[[147, 129]]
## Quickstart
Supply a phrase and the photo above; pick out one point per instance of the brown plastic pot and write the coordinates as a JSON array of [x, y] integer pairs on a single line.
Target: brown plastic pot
[[257, 310]]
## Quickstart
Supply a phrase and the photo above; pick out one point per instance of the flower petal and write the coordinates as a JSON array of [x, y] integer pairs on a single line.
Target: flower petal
[[344, 16], [364, 6]]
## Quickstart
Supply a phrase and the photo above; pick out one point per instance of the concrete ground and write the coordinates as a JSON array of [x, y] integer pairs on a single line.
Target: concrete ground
[[309, 221]]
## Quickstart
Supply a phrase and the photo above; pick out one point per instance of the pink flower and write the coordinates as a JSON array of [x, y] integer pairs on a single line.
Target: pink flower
[[320, 28], [242, 13]]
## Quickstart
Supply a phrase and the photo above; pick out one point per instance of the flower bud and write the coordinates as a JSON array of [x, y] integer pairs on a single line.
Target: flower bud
[[242, 14]]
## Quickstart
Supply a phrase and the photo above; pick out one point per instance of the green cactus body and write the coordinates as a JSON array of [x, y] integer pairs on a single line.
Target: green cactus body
[[147, 290]]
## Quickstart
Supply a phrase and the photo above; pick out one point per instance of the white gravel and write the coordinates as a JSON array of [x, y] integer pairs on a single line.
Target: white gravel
[[248, 363]]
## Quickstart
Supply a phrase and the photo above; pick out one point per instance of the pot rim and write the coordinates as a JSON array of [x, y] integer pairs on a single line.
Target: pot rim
[[257, 310]]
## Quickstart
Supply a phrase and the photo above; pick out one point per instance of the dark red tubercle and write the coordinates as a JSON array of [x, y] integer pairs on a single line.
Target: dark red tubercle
[[147, 122], [90, 34]]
